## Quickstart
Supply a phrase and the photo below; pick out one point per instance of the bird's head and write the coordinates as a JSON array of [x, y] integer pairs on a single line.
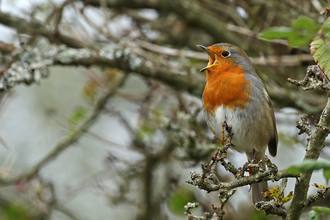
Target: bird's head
[[226, 58]]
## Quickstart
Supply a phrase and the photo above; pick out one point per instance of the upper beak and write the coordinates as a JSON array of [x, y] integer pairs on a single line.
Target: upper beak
[[212, 56]]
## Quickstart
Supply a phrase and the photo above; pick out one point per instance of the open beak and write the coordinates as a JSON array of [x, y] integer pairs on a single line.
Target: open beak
[[212, 57]]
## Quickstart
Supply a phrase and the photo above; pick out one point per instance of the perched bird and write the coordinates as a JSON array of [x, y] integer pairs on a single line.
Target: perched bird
[[234, 94]]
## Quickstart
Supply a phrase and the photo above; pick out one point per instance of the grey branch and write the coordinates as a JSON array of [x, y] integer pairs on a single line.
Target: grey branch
[[36, 28], [206, 215], [315, 78], [318, 80], [208, 181], [304, 126], [320, 194], [33, 64], [271, 207]]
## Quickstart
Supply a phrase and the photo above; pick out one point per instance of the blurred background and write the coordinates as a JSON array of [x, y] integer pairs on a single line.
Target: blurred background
[[127, 139]]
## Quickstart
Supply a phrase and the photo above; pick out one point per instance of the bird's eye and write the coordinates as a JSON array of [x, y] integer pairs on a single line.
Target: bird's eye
[[225, 54]]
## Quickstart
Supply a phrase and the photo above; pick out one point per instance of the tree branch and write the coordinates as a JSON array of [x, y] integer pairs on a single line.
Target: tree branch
[[320, 194], [32, 71], [34, 64], [314, 148], [202, 183], [206, 19], [271, 207], [209, 181], [285, 60], [36, 28]]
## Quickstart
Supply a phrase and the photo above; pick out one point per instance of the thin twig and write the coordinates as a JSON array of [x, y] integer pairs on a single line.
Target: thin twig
[[320, 194], [66, 143], [285, 60], [11, 155], [36, 28], [68, 212]]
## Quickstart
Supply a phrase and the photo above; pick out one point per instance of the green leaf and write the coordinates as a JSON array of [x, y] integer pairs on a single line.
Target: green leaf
[[304, 29], [146, 129], [319, 212], [298, 39], [305, 23], [287, 198], [78, 115], [321, 209], [326, 174], [300, 33], [76, 118], [312, 215], [320, 47], [277, 33], [145, 132], [179, 199], [14, 212], [308, 166]]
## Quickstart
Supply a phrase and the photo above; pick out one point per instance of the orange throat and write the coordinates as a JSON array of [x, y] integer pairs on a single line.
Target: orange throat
[[226, 86]]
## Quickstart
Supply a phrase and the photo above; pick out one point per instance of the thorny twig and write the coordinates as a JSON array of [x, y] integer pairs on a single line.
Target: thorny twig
[[320, 194], [210, 182], [271, 207], [304, 126], [209, 172], [206, 215], [315, 77]]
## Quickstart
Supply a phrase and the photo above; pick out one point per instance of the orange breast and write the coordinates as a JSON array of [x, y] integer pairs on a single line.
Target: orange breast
[[226, 85]]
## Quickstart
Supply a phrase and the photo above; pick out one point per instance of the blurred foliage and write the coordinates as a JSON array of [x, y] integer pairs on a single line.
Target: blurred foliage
[[99, 80], [319, 213], [311, 165], [300, 33], [326, 174], [14, 212], [78, 115], [180, 198]]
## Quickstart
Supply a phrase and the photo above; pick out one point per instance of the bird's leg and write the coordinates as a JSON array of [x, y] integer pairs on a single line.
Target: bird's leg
[[221, 141], [248, 167], [226, 142], [253, 155], [223, 149], [228, 129], [223, 132]]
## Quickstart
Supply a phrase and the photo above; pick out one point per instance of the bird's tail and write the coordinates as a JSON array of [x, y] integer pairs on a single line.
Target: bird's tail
[[257, 188]]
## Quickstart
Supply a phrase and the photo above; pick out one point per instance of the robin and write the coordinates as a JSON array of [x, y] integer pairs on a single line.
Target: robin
[[236, 96]]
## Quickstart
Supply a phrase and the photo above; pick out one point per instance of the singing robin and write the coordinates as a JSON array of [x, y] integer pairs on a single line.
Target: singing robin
[[234, 94]]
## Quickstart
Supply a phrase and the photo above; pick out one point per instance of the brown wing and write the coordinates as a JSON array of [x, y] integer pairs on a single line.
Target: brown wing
[[272, 144]]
